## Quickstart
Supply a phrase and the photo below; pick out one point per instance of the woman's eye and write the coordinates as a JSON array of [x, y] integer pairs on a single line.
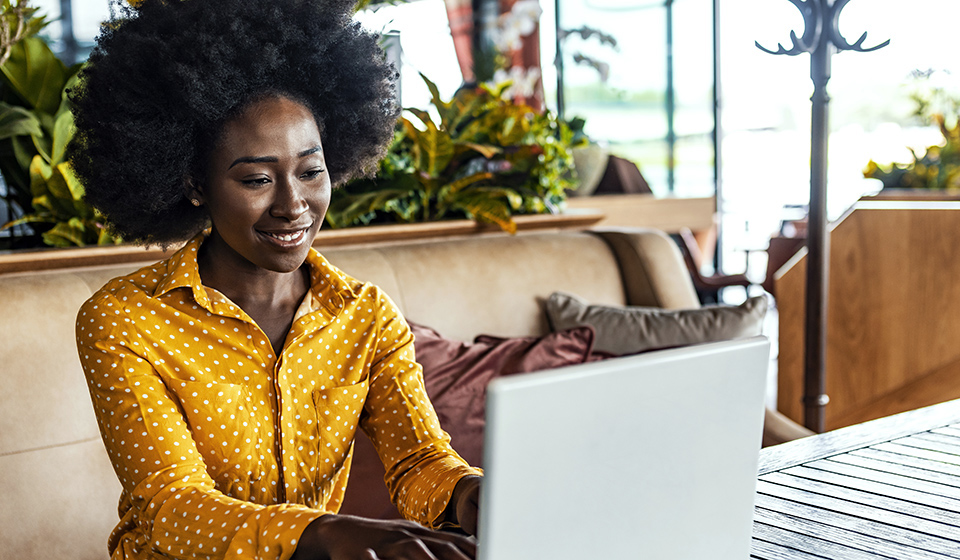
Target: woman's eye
[[312, 174], [255, 181]]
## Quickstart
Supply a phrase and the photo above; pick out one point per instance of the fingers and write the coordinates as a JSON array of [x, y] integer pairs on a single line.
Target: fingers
[[445, 541], [344, 537], [429, 548]]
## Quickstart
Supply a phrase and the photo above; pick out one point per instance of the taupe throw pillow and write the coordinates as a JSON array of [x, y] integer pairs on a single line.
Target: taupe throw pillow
[[628, 330]]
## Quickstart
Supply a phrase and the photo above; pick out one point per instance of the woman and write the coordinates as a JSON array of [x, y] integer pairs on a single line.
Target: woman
[[230, 379]]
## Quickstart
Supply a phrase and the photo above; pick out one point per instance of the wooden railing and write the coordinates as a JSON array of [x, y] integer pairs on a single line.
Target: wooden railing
[[893, 321]]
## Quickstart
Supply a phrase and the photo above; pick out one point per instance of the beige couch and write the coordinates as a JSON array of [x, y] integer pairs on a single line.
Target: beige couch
[[58, 493]]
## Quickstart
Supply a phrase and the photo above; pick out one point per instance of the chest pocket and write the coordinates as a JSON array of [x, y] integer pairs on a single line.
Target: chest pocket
[[227, 433], [338, 415]]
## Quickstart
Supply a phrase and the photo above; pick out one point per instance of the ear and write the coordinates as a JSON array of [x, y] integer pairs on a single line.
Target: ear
[[193, 191]]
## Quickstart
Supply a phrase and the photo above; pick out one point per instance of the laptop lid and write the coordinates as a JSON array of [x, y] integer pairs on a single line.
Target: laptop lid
[[647, 456]]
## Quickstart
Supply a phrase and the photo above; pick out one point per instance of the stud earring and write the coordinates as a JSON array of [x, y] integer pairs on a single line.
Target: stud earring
[[195, 202]]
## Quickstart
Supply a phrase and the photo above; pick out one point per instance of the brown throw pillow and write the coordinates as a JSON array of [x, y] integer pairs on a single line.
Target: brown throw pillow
[[456, 375], [629, 330]]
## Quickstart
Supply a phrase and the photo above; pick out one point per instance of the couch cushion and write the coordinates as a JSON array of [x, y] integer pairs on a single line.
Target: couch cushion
[[629, 330], [491, 284], [456, 375], [654, 273], [59, 502], [43, 396]]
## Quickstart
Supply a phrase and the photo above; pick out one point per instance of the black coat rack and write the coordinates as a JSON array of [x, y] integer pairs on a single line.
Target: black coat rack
[[821, 38]]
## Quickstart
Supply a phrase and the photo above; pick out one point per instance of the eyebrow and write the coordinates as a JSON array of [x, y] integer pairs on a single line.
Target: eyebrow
[[272, 159]]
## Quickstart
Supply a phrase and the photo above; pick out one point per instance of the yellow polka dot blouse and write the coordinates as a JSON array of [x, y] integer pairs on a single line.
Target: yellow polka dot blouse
[[227, 451]]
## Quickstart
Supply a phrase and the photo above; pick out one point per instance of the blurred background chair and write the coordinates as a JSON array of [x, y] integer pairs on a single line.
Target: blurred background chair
[[708, 286]]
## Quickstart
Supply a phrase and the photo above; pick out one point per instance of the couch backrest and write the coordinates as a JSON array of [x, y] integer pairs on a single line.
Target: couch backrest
[[57, 489]]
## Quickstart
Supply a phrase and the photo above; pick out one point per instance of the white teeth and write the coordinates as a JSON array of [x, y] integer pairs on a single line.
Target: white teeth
[[286, 236]]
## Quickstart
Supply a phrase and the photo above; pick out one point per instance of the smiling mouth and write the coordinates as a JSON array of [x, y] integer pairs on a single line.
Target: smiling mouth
[[290, 238]]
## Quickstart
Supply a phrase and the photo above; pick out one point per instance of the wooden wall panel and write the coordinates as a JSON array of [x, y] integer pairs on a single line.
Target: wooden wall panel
[[893, 317]]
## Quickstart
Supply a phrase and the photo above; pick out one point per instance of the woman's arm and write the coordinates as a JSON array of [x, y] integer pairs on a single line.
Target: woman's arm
[[422, 470]]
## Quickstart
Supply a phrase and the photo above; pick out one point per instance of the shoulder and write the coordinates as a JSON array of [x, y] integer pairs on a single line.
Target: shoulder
[[123, 292], [326, 275], [362, 296]]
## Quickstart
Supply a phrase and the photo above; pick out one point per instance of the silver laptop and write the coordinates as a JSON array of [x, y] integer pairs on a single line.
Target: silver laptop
[[644, 457]]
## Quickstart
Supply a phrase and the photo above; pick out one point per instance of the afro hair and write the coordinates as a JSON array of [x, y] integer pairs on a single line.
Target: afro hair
[[162, 81]]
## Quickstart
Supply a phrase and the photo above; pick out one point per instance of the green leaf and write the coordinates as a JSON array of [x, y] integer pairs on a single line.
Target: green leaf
[[52, 192], [66, 234], [63, 130], [511, 196], [73, 78], [486, 209], [104, 238], [43, 145], [445, 109], [23, 151], [352, 207], [465, 182], [17, 121], [421, 114], [36, 74], [73, 184], [433, 150], [485, 150], [28, 219], [448, 194], [40, 171]]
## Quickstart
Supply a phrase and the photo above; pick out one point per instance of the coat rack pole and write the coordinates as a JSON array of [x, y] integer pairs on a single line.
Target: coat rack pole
[[821, 38]]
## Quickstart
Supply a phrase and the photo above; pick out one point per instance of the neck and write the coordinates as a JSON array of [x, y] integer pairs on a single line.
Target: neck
[[247, 285]]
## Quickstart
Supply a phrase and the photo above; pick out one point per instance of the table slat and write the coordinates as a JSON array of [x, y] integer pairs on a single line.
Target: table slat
[[841, 535], [874, 528], [948, 519], [763, 550], [812, 545], [928, 475], [946, 508], [880, 455], [889, 488], [927, 445], [949, 430], [831, 504], [898, 480], [948, 439], [917, 452]]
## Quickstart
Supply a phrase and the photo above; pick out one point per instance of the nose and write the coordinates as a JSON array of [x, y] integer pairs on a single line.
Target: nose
[[289, 202]]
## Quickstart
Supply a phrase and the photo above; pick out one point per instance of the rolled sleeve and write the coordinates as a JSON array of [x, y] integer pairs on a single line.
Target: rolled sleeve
[[421, 467]]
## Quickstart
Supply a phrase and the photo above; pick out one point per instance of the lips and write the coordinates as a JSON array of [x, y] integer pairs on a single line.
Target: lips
[[286, 238]]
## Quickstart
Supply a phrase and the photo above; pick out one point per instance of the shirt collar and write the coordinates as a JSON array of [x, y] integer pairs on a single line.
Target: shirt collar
[[183, 272], [328, 285]]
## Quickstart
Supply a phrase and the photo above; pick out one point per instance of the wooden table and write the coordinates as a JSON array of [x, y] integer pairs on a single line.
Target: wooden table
[[889, 488]]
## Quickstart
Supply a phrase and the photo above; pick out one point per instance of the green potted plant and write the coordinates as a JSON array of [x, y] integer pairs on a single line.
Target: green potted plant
[[487, 159], [938, 167], [35, 127]]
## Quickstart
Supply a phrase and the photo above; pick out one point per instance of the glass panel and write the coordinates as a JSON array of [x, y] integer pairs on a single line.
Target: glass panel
[[693, 85], [693, 174], [427, 47], [625, 112], [766, 118]]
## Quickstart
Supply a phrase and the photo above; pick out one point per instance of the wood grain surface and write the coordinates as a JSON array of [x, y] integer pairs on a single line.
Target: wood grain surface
[[884, 489], [893, 320]]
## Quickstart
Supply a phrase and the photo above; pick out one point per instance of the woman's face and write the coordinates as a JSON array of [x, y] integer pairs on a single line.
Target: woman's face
[[267, 187]]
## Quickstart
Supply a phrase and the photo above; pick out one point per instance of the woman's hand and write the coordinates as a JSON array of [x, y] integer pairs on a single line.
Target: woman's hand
[[466, 503], [346, 537]]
